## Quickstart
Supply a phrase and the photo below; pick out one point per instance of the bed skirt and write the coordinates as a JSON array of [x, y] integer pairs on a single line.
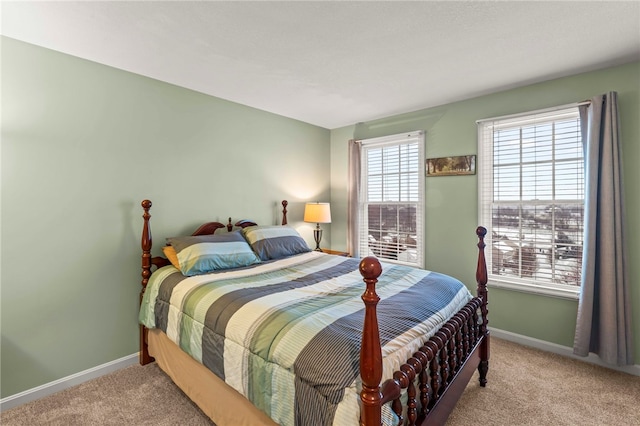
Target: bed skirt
[[220, 402]]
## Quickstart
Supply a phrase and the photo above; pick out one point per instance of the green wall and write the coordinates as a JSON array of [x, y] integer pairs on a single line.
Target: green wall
[[451, 202], [82, 145]]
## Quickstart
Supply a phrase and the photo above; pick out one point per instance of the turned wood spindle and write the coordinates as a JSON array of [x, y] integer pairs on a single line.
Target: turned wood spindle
[[396, 406], [409, 376], [459, 340], [435, 371], [451, 349], [444, 365], [423, 380]]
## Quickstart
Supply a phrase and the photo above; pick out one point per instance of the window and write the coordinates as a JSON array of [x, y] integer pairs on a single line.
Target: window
[[531, 199], [391, 204]]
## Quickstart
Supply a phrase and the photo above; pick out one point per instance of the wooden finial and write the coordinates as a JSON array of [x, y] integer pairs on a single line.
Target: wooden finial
[[370, 268]]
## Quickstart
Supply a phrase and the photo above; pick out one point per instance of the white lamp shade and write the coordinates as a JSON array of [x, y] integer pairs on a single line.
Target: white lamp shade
[[317, 213]]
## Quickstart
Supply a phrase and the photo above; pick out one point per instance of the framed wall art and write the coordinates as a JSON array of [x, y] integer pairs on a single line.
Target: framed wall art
[[451, 166]]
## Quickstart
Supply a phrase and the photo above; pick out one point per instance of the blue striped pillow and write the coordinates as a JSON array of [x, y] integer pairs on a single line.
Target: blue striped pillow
[[275, 242], [206, 253]]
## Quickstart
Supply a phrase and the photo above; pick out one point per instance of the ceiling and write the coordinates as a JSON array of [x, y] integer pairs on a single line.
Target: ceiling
[[335, 63]]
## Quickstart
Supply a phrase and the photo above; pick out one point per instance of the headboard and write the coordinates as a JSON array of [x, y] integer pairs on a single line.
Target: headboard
[[149, 261]]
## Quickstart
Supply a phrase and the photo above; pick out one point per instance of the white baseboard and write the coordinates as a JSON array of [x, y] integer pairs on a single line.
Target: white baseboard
[[560, 350], [66, 382]]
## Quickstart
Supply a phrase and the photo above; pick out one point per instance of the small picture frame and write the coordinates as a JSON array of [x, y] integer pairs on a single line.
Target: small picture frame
[[451, 166]]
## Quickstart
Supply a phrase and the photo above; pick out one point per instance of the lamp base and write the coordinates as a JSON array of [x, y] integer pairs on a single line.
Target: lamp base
[[317, 235]]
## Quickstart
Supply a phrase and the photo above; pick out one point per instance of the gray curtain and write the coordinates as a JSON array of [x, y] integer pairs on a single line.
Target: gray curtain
[[604, 311], [353, 198]]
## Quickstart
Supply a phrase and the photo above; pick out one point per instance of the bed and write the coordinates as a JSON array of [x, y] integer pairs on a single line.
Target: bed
[[284, 338]]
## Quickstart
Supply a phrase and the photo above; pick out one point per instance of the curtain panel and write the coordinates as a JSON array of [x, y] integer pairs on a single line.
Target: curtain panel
[[353, 197], [603, 325]]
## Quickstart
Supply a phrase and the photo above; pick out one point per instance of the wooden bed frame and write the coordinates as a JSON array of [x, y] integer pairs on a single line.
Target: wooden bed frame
[[434, 377]]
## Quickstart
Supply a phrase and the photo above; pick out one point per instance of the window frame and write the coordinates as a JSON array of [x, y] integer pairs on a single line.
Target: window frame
[[486, 147], [409, 138]]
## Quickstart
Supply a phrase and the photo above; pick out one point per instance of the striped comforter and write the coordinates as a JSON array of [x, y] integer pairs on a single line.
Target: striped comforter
[[286, 334]]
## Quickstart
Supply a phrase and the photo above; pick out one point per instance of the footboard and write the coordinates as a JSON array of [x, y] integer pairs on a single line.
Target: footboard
[[437, 374]]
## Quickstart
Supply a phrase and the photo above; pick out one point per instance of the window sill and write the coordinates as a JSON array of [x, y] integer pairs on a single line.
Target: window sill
[[538, 290]]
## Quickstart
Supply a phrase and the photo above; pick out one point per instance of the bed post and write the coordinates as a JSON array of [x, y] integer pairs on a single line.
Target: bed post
[[370, 351], [146, 244], [285, 203], [481, 279]]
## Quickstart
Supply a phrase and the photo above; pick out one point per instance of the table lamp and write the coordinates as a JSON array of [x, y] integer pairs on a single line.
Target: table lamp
[[317, 213]]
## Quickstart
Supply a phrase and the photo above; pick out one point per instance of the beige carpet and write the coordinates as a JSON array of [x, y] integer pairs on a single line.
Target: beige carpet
[[526, 387], [531, 387]]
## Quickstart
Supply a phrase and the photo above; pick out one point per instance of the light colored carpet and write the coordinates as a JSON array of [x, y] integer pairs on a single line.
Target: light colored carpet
[[526, 387], [531, 387]]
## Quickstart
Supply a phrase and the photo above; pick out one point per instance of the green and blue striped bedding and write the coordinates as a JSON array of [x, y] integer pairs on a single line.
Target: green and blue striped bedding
[[205, 253], [275, 242], [286, 334]]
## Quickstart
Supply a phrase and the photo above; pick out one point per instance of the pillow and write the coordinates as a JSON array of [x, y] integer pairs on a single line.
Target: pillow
[[206, 253], [275, 242], [171, 254]]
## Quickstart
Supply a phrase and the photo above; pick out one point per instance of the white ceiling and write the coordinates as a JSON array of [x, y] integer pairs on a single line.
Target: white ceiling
[[337, 63]]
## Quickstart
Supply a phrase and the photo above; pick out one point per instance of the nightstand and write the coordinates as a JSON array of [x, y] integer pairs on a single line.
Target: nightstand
[[335, 252]]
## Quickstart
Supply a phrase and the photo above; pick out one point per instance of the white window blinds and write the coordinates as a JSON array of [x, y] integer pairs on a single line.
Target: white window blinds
[[531, 197], [391, 199]]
